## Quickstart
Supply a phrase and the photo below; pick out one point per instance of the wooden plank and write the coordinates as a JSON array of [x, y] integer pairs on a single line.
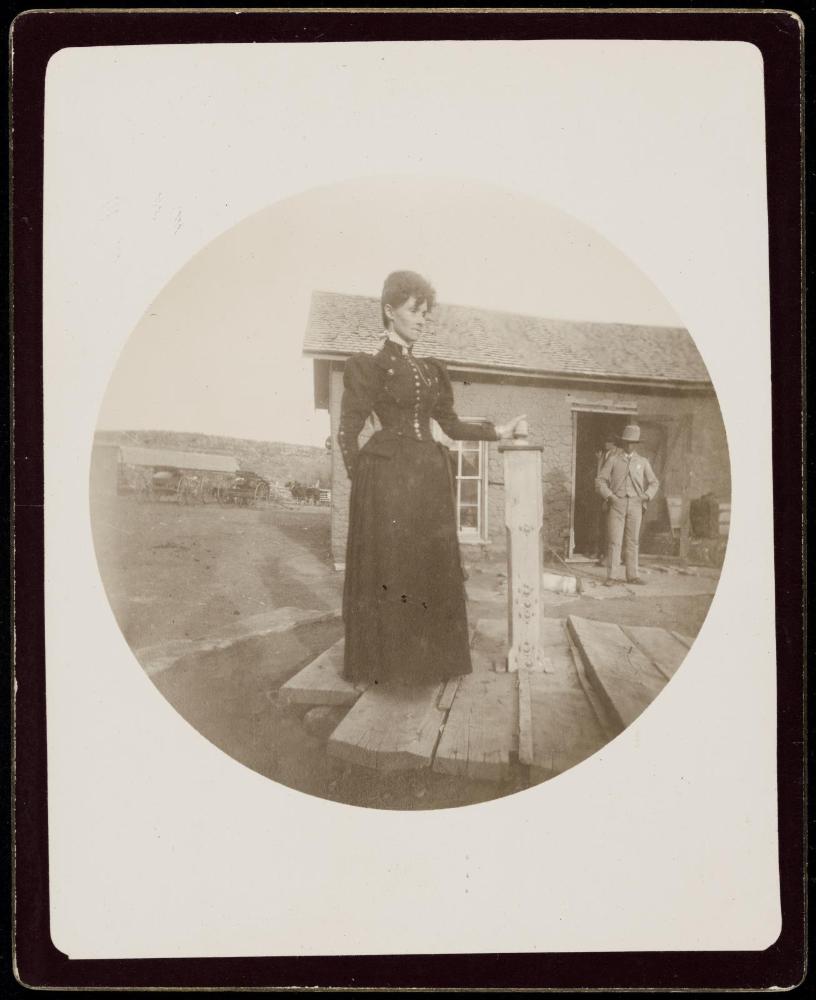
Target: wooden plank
[[490, 644], [480, 737], [391, 728], [525, 701], [556, 656], [448, 693], [682, 638], [552, 632], [321, 682], [607, 719], [558, 727], [660, 646], [485, 663], [626, 679]]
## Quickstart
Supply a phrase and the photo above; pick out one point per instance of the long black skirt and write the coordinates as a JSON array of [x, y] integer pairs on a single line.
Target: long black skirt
[[404, 604]]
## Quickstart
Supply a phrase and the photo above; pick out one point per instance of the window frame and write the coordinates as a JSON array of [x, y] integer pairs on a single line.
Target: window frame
[[479, 535], [468, 537]]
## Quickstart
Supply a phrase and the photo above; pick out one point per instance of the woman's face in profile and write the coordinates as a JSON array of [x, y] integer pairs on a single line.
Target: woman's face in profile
[[408, 319]]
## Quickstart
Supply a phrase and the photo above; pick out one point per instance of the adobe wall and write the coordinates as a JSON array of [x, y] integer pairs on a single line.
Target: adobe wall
[[703, 459]]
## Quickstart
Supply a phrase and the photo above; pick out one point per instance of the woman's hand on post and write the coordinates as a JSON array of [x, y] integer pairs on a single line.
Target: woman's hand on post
[[507, 430]]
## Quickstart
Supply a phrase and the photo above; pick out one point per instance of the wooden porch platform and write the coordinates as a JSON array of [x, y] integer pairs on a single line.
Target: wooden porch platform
[[596, 678]]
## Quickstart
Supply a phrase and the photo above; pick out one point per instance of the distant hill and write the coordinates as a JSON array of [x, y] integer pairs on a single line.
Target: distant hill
[[277, 461]]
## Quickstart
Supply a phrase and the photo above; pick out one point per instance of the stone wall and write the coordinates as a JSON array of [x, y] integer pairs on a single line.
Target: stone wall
[[550, 413]]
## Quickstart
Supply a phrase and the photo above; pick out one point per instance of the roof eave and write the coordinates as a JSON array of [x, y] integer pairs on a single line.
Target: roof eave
[[544, 373]]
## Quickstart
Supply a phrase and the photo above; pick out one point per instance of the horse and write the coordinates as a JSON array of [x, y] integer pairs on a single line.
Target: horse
[[303, 494]]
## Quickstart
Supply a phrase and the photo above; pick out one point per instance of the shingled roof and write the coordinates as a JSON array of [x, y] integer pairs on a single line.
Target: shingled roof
[[340, 325]]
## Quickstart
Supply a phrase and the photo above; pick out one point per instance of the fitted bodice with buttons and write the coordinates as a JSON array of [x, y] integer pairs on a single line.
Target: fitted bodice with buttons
[[409, 395], [405, 393]]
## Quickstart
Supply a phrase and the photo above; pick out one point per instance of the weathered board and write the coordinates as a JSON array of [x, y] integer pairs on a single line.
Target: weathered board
[[489, 644], [485, 663], [627, 680], [480, 737], [558, 727], [556, 656], [608, 720], [448, 694], [391, 728], [552, 632], [682, 638], [666, 652], [321, 682]]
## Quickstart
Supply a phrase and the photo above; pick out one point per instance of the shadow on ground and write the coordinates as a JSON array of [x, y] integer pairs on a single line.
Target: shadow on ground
[[230, 697]]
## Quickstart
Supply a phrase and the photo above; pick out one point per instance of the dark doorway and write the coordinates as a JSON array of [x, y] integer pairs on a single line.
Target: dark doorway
[[592, 430]]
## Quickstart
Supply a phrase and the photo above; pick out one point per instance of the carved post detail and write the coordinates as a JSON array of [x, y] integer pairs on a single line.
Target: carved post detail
[[523, 518]]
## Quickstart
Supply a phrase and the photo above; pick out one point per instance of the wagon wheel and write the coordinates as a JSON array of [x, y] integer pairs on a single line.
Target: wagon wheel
[[261, 498]]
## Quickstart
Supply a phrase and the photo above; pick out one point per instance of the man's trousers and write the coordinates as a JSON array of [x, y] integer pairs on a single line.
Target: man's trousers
[[623, 529], [601, 530]]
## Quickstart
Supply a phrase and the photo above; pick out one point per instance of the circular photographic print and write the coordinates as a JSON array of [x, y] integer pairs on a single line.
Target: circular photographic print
[[410, 493]]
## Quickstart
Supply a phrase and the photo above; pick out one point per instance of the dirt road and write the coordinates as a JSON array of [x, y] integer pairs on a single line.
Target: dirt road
[[182, 572]]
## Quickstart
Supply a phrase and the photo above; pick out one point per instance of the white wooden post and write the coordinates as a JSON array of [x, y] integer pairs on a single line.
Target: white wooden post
[[523, 517]]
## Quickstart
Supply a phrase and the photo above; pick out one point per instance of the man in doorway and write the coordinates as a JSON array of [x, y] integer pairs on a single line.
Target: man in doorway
[[627, 483], [606, 450]]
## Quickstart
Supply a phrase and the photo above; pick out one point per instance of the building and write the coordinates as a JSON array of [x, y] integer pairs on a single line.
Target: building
[[576, 382], [117, 467]]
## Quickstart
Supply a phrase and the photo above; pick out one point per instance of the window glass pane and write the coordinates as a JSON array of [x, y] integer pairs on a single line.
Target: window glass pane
[[470, 463], [469, 518], [470, 495], [469, 491]]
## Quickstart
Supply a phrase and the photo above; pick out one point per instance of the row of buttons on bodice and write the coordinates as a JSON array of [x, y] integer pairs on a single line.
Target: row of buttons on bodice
[[418, 379]]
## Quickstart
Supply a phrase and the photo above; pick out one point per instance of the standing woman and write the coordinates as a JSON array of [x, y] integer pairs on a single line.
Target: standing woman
[[404, 597]]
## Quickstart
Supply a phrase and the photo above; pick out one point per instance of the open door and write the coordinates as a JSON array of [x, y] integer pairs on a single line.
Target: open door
[[592, 429], [664, 441]]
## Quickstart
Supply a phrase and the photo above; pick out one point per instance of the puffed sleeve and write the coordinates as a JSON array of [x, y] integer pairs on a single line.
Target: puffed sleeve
[[445, 415], [359, 388]]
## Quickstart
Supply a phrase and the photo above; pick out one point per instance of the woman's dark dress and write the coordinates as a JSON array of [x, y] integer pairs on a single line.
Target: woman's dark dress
[[404, 598]]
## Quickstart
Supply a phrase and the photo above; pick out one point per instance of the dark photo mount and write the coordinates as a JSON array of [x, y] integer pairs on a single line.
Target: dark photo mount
[[35, 37]]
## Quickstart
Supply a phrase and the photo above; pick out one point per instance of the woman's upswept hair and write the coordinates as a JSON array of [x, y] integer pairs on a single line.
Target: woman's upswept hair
[[400, 286]]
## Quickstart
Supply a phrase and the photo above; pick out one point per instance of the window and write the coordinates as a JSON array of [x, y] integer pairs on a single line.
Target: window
[[471, 489], [469, 465]]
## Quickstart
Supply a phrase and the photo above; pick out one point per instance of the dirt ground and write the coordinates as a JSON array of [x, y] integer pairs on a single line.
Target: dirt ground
[[231, 697], [174, 572]]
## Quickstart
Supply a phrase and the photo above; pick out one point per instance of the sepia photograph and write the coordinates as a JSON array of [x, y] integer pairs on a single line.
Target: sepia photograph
[[408, 572], [410, 540]]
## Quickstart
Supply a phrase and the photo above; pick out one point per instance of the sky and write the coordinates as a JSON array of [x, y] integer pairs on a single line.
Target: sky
[[219, 351]]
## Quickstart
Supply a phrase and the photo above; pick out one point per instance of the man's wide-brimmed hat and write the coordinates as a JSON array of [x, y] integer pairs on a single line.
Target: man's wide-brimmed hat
[[631, 432]]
